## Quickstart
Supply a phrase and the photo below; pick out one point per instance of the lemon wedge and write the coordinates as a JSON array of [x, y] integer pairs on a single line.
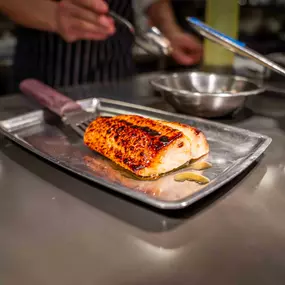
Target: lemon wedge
[[191, 176]]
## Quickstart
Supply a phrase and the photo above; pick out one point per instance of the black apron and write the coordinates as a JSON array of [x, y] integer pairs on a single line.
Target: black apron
[[47, 57]]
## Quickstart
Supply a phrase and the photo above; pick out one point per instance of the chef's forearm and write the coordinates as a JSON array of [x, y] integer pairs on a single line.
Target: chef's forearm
[[161, 15], [37, 14]]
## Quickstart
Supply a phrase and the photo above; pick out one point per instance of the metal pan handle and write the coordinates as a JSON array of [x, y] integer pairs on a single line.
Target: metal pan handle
[[48, 97]]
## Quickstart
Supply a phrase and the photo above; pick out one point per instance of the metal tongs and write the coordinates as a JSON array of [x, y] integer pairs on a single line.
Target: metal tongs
[[233, 45], [153, 36]]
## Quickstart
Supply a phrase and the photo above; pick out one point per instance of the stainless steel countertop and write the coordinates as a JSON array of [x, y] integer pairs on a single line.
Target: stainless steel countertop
[[56, 229]]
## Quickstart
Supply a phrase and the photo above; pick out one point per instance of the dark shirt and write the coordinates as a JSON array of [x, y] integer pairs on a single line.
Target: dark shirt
[[47, 57]]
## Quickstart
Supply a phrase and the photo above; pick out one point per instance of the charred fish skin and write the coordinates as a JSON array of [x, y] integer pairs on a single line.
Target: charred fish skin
[[141, 145]]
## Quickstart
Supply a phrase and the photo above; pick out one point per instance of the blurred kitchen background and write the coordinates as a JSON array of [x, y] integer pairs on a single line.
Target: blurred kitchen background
[[262, 27]]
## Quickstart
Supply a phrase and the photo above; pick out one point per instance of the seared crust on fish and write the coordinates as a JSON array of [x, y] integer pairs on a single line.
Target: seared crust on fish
[[146, 147]]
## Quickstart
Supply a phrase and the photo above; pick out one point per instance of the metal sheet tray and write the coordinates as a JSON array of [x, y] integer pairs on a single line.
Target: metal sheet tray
[[232, 150]]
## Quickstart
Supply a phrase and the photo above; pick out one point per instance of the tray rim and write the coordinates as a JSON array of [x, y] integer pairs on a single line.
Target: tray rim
[[221, 180]]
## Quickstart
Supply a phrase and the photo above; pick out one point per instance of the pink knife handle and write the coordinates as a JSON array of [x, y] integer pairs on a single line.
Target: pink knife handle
[[48, 97]]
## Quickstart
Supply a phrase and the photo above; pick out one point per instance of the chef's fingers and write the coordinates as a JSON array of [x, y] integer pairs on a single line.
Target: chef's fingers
[[80, 30], [68, 28], [98, 6], [102, 23], [186, 49], [75, 23], [185, 57]]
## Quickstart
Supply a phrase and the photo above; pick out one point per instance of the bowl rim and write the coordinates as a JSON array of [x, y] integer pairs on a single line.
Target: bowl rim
[[158, 86]]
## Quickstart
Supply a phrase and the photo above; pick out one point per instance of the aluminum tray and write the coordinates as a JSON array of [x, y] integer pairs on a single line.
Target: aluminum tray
[[232, 150]]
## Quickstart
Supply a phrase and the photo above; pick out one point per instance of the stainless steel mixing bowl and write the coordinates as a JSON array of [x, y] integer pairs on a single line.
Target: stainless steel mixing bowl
[[205, 94]]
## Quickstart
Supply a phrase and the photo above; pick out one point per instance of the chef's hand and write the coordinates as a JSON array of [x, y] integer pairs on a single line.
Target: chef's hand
[[84, 20], [187, 50]]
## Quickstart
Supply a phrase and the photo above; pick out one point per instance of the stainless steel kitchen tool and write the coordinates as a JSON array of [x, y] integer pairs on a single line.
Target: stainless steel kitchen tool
[[71, 113], [233, 45], [203, 94], [143, 39], [232, 150]]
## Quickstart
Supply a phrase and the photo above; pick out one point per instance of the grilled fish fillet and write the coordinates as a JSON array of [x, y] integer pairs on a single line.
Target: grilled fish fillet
[[146, 147]]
